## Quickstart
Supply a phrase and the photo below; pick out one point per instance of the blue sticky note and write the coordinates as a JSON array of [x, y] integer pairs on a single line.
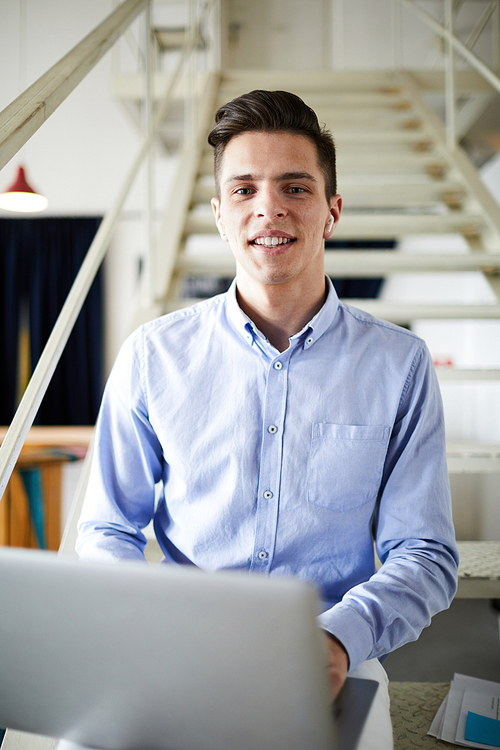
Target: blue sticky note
[[482, 729]]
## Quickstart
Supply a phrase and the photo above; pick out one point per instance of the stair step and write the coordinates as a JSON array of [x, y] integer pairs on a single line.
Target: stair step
[[372, 226], [237, 81], [479, 570], [346, 136], [415, 149], [381, 161], [468, 457], [405, 313], [351, 263], [369, 118], [464, 374], [324, 101]]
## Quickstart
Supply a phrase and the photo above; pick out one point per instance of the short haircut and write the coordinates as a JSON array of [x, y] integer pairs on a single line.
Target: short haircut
[[271, 112]]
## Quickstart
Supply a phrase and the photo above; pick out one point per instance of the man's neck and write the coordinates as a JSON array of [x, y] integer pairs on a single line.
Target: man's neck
[[279, 312]]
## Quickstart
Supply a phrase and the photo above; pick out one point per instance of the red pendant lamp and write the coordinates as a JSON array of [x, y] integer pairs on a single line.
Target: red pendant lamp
[[21, 197]]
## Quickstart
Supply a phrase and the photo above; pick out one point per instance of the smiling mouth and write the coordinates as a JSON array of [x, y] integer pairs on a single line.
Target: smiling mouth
[[272, 241]]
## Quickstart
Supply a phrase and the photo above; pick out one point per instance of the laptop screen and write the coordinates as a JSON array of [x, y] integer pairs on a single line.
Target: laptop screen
[[132, 656]]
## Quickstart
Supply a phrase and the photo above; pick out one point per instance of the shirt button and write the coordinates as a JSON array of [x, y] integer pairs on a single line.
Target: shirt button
[[278, 365], [309, 340], [262, 554], [272, 429], [268, 494]]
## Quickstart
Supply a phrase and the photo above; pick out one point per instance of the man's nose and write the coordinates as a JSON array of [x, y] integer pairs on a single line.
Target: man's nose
[[271, 204]]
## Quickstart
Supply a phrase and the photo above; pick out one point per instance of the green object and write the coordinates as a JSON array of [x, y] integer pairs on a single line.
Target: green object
[[32, 480]]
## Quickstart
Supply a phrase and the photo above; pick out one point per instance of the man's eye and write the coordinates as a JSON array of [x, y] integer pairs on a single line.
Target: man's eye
[[243, 191], [295, 189]]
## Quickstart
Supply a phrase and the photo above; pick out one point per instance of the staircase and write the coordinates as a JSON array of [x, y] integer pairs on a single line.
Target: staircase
[[398, 180]]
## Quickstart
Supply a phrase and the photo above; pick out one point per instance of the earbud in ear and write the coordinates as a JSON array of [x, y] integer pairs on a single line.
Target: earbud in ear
[[221, 228], [330, 224]]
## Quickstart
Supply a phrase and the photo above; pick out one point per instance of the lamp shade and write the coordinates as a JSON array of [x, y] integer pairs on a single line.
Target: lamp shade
[[20, 196]]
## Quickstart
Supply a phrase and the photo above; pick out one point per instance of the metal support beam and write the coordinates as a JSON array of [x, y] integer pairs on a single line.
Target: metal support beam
[[471, 58], [478, 29]]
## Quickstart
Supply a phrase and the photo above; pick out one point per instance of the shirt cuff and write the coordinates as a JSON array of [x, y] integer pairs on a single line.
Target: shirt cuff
[[351, 629]]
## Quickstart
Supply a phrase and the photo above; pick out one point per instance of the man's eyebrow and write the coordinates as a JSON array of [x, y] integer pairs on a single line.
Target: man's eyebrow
[[279, 178], [241, 178], [297, 176]]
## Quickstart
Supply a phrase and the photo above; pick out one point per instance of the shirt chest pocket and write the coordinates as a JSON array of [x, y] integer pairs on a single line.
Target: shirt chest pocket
[[345, 464]]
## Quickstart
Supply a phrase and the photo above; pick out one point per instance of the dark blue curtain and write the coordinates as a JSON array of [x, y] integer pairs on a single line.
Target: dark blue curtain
[[39, 260]]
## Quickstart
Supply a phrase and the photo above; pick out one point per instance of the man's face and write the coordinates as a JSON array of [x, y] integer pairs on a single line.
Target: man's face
[[273, 209]]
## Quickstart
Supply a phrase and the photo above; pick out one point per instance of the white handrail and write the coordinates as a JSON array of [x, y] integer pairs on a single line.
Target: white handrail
[[26, 412], [22, 117]]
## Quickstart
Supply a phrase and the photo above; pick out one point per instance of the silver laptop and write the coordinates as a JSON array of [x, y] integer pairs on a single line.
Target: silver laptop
[[133, 657]]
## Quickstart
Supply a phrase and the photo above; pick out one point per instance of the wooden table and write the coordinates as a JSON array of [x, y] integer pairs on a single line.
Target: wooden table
[[30, 509]]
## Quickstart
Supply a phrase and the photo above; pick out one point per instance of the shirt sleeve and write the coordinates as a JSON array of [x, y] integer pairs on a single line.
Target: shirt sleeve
[[126, 465], [414, 532]]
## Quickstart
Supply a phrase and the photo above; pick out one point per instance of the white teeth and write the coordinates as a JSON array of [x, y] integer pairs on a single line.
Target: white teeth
[[271, 241]]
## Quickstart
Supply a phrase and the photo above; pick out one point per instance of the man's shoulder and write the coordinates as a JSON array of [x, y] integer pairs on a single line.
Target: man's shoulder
[[354, 316], [182, 319], [172, 333]]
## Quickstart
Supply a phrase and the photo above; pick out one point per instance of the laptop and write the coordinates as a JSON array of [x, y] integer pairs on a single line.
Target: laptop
[[138, 657]]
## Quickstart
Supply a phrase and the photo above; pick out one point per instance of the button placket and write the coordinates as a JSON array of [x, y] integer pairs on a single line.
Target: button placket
[[270, 464]]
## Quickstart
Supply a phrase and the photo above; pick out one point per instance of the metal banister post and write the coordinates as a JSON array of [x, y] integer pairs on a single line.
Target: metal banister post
[[147, 282], [396, 33], [449, 77]]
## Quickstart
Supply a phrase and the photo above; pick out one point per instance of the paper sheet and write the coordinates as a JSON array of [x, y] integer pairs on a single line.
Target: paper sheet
[[468, 694], [485, 704]]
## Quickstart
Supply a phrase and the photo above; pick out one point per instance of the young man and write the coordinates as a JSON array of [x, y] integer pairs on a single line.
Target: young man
[[289, 430]]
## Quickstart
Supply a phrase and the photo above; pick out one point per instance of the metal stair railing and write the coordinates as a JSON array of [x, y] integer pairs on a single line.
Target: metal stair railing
[[18, 122], [453, 43]]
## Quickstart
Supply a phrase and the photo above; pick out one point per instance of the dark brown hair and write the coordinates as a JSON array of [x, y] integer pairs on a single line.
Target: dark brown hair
[[273, 111]]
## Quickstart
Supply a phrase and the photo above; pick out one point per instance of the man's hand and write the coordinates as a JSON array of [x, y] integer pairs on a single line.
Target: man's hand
[[338, 664]]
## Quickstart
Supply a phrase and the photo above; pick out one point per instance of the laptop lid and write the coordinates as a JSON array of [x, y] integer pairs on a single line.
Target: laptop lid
[[160, 658]]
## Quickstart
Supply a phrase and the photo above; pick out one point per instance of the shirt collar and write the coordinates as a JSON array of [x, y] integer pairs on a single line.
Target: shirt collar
[[314, 329]]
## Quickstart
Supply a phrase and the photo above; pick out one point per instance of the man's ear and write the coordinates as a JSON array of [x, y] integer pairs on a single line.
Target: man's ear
[[335, 211], [218, 222]]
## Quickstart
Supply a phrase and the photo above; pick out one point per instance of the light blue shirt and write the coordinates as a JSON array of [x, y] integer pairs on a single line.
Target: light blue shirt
[[282, 463]]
